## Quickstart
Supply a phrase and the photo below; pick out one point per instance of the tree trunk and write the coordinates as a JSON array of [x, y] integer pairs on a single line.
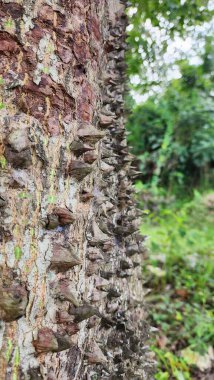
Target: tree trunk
[[70, 291]]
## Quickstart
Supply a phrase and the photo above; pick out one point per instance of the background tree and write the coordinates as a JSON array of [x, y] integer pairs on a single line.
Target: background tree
[[172, 131], [172, 134], [70, 295], [154, 26]]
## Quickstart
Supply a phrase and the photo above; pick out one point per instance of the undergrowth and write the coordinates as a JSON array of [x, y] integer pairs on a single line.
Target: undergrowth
[[179, 271]]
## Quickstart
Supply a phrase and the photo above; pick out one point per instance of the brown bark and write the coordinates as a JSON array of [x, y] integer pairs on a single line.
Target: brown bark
[[70, 291]]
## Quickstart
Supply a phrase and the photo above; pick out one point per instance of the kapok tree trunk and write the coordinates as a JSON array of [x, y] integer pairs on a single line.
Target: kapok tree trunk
[[70, 291]]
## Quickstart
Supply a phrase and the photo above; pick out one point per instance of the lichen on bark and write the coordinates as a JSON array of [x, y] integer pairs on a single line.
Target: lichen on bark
[[71, 290]]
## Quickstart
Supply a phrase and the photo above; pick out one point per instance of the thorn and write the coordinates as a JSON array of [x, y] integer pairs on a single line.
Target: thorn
[[107, 274], [106, 168], [2, 201], [79, 170], [105, 120], [125, 264], [63, 292], [18, 140], [64, 215], [49, 341], [85, 196], [13, 302], [114, 293], [52, 222], [90, 134], [63, 258], [18, 160], [78, 147], [101, 283], [84, 312], [97, 237], [92, 268], [95, 355], [63, 316], [94, 254], [108, 245], [71, 328], [90, 157], [124, 274]]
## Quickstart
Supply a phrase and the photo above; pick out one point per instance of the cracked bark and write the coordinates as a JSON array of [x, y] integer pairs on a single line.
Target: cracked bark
[[71, 298]]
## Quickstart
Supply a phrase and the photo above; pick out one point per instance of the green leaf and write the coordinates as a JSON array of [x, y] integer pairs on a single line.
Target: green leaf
[[179, 375], [162, 376], [146, 212], [156, 271], [178, 316]]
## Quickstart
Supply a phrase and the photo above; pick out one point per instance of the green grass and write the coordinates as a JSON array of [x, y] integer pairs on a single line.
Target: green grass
[[180, 271]]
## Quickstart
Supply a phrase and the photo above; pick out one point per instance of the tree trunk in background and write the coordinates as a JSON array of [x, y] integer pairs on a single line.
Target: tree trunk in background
[[70, 291]]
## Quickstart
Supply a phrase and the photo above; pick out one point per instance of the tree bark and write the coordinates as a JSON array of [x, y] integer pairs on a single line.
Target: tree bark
[[71, 290]]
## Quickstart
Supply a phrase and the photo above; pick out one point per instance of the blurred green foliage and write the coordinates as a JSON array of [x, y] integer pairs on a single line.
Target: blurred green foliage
[[173, 133], [180, 271], [153, 25]]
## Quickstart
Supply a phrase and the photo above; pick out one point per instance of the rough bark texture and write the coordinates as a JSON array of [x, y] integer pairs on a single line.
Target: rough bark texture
[[70, 290]]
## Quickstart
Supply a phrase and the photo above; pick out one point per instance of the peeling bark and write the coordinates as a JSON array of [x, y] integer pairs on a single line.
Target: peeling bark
[[70, 292]]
